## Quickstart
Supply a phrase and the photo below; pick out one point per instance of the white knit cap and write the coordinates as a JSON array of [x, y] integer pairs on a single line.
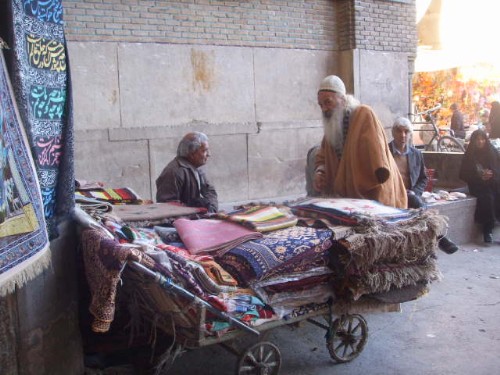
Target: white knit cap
[[332, 83]]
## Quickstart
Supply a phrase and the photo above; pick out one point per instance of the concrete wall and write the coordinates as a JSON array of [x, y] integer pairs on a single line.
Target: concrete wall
[[39, 323], [134, 101]]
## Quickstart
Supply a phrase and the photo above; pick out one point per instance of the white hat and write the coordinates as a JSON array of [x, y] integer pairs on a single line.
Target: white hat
[[332, 83]]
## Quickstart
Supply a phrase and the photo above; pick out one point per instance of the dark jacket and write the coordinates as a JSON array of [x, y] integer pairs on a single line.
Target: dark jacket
[[177, 182], [416, 167], [474, 160]]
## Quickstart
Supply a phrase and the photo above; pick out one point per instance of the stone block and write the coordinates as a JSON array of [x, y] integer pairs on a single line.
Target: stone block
[[383, 89], [227, 168], [277, 160], [49, 334], [162, 84], [461, 226], [287, 81], [94, 77], [178, 131], [116, 164]]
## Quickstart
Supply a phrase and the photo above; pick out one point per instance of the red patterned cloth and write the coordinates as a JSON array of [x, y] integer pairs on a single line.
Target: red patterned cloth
[[104, 260]]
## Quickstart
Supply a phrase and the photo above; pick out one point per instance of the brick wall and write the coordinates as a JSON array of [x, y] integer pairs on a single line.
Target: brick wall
[[384, 25], [265, 23], [381, 25]]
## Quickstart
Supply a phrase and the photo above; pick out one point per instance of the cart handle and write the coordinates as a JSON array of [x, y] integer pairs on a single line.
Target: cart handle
[[167, 284]]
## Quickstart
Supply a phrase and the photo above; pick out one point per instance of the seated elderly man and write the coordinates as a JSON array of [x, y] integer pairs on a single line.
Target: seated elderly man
[[410, 162], [183, 181]]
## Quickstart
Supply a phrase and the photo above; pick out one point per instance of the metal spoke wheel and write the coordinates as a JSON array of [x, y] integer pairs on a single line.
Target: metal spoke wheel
[[263, 358], [347, 337], [449, 144]]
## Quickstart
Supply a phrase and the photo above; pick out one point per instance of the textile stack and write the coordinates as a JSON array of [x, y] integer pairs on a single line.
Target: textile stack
[[391, 254], [259, 262]]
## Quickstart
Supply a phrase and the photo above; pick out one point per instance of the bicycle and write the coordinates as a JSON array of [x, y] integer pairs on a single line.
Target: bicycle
[[426, 122]]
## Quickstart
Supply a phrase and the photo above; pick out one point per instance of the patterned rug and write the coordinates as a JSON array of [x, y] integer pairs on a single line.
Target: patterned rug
[[294, 249], [349, 211], [23, 236], [39, 70]]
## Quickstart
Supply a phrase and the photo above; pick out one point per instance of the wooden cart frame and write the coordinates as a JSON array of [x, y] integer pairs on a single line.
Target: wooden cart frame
[[346, 335]]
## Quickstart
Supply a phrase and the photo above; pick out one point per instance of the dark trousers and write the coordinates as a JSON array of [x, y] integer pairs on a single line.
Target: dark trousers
[[487, 208], [415, 201]]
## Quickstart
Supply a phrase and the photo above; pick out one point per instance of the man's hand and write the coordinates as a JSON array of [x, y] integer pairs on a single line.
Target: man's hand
[[382, 175], [319, 180], [487, 174]]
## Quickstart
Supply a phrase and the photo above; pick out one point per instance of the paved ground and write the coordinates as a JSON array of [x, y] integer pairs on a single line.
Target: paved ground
[[455, 329]]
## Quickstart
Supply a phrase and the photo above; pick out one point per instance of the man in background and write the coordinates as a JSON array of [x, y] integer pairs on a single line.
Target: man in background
[[410, 162], [457, 122]]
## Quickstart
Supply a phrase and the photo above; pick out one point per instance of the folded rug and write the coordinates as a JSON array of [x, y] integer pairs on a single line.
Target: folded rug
[[114, 196], [385, 257], [347, 211], [262, 218], [153, 212], [294, 249], [207, 235]]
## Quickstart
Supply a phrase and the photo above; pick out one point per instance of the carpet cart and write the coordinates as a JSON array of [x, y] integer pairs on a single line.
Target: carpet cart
[[346, 335], [376, 267]]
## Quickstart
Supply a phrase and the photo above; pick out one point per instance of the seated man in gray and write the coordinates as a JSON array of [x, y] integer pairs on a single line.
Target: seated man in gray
[[410, 162], [183, 181]]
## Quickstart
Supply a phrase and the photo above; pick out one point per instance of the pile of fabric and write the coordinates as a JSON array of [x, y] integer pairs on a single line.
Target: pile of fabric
[[264, 262], [390, 255], [122, 195], [108, 243]]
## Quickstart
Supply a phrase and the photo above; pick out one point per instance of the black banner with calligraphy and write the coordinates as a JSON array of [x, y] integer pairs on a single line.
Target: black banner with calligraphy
[[38, 59]]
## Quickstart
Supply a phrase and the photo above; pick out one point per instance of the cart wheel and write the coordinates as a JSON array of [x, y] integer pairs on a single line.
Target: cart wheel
[[263, 358], [347, 337]]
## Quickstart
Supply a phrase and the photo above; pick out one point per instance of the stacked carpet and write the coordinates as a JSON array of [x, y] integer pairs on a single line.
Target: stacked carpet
[[290, 250], [383, 257], [212, 235]]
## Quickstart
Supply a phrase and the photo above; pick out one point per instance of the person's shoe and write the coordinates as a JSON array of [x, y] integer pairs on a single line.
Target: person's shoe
[[488, 237], [447, 246]]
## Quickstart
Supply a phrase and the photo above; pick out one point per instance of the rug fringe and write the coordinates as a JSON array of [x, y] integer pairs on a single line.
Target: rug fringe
[[17, 277]]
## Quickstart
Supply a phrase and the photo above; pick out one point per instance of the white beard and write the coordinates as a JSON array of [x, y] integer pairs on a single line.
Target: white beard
[[333, 129]]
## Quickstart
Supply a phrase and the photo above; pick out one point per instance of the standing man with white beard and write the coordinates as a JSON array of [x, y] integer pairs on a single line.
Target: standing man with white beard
[[354, 160]]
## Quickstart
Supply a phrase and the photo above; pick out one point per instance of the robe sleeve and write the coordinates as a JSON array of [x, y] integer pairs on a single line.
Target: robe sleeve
[[367, 150]]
